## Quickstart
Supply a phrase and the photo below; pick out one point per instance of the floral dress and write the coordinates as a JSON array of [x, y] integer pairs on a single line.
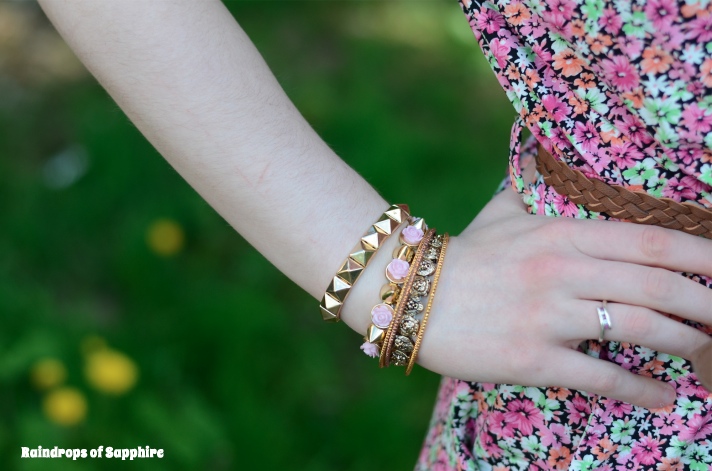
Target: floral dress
[[619, 90]]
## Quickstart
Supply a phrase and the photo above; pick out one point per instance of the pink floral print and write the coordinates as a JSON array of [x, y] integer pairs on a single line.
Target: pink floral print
[[620, 91]]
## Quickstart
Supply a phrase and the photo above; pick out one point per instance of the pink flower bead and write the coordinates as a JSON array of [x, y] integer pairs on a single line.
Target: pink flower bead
[[412, 235], [398, 269], [381, 315], [370, 349]]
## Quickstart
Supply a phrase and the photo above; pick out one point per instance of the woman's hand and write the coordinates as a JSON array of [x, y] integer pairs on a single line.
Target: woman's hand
[[518, 294]]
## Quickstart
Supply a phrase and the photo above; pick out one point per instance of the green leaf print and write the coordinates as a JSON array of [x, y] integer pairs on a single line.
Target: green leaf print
[[532, 445], [659, 110], [706, 169], [549, 408], [676, 368], [586, 464], [593, 9], [666, 135], [595, 99], [688, 408], [516, 102], [622, 431], [546, 128], [636, 24], [676, 449], [698, 457], [514, 455], [641, 172], [698, 466]]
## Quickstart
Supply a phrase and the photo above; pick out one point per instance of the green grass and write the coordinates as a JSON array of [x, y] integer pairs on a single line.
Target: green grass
[[233, 375]]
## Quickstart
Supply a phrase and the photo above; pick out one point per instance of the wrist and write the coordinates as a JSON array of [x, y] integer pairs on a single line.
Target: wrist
[[365, 293], [445, 297]]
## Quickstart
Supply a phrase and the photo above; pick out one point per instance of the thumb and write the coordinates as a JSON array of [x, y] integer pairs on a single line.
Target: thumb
[[505, 204]]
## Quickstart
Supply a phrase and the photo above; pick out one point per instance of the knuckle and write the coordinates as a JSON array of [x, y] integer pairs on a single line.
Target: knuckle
[[607, 381], [525, 361], [556, 231], [637, 326], [529, 268], [538, 319], [542, 268], [699, 344], [657, 284], [654, 242]]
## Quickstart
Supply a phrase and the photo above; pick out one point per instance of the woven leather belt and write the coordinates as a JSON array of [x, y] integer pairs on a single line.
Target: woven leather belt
[[620, 203]]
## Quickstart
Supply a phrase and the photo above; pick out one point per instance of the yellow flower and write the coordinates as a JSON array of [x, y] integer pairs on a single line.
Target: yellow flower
[[65, 406], [110, 371], [165, 237], [48, 373]]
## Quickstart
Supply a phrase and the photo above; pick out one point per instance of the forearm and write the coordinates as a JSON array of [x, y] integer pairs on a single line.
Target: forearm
[[190, 79]]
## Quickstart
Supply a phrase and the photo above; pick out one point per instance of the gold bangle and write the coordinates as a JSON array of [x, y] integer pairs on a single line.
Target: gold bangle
[[406, 335], [389, 337], [351, 269], [424, 322]]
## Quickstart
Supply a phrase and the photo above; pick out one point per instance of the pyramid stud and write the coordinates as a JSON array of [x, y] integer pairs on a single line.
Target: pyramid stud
[[399, 213], [374, 334], [350, 271], [420, 224], [386, 225], [330, 308], [362, 256], [373, 241], [339, 288]]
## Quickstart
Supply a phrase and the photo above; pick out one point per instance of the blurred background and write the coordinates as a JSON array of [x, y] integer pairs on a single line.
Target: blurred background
[[131, 314]]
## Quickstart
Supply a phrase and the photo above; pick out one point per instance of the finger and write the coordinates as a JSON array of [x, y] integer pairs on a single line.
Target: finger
[[654, 288], [702, 365], [641, 326], [577, 370], [647, 245]]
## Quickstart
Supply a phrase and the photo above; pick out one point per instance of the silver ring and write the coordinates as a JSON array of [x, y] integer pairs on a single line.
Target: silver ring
[[605, 319]]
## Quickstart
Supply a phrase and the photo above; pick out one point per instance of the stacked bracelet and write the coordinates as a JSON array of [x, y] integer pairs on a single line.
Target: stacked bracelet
[[351, 269], [400, 342], [382, 314], [411, 362], [395, 345]]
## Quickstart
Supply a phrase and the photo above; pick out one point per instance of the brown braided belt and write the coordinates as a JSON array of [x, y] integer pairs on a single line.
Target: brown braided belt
[[617, 202]]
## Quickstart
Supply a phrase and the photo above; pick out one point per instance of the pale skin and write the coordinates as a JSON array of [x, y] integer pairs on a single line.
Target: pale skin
[[518, 293]]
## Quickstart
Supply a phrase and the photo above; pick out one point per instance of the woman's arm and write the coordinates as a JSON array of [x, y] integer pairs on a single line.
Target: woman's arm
[[518, 293], [193, 83]]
